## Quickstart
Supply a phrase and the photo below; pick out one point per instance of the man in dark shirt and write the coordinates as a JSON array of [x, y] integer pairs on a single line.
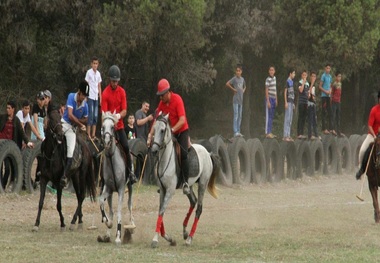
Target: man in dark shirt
[[142, 121]]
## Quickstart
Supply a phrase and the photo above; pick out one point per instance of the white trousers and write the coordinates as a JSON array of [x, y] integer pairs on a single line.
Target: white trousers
[[364, 147], [70, 138]]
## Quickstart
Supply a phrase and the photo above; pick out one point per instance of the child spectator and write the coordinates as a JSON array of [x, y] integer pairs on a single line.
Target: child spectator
[[270, 102], [25, 119], [289, 105], [130, 129], [336, 93], [324, 87], [303, 88], [237, 85], [311, 109]]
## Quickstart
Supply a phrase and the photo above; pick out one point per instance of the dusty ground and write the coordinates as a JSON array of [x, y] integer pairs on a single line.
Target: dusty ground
[[316, 219]]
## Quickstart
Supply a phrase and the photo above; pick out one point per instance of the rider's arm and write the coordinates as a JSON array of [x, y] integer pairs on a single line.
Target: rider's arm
[[73, 119], [179, 124]]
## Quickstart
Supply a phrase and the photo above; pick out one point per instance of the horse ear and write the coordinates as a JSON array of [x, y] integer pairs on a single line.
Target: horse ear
[[167, 116]]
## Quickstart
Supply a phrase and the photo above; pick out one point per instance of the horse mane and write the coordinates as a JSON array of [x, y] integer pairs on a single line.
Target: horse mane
[[109, 115]]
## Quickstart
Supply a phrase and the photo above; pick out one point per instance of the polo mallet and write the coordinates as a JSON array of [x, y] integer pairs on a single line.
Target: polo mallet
[[363, 176]]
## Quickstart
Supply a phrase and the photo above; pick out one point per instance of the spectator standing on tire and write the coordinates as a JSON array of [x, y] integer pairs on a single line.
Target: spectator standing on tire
[[114, 99], [373, 131], [94, 80], [25, 119], [142, 121], [237, 85], [289, 105], [325, 88], [11, 128], [312, 109], [270, 102], [172, 104], [303, 89], [336, 93]]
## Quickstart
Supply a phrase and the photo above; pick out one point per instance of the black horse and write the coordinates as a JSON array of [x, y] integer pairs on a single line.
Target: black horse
[[52, 160]]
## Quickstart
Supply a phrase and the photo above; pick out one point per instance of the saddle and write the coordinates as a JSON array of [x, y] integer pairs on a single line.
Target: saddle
[[192, 159]]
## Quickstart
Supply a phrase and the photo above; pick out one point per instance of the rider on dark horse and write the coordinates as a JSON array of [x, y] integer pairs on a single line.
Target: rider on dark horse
[[75, 115], [373, 130], [114, 99], [172, 104]]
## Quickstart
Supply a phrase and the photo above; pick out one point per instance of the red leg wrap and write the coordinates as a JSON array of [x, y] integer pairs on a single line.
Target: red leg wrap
[[186, 221], [194, 227], [162, 229], [159, 224]]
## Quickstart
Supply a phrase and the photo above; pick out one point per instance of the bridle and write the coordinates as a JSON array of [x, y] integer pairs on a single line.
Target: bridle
[[112, 138], [163, 144]]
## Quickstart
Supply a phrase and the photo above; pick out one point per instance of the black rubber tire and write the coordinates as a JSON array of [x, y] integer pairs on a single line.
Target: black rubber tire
[[304, 163], [10, 155], [29, 157], [139, 150], [355, 147], [220, 148], [257, 159], [330, 149], [240, 161], [317, 156], [274, 160], [345, 155], [288, 152]]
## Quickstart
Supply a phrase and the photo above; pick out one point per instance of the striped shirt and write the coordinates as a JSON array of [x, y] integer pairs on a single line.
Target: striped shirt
[[270, 83]]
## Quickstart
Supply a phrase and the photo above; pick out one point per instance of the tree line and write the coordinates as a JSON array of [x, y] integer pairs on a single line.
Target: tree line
[[195, 44]]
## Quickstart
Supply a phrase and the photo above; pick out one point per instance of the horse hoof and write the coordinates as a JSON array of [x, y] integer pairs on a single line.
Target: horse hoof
[[72, 227], [188, 241], [63, 228], [35, 229], [109, 224], [80, 227], [118, 241], [185, 235], [173, 243], [104, 239], [154, 244]]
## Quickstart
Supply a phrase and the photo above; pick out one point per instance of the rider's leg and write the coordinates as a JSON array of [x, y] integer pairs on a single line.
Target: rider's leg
[[364, 155], [70, 142], [183, 140], [122, 137]]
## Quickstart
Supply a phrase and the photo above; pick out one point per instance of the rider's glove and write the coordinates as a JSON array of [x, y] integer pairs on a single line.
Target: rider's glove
[[118, 116]]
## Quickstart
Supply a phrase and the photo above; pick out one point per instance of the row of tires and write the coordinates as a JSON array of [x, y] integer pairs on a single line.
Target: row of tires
[[242, 161]]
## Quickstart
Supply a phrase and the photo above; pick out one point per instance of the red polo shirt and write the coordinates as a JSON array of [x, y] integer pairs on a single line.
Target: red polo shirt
[[114, 100], [374, 118], [176, 109]]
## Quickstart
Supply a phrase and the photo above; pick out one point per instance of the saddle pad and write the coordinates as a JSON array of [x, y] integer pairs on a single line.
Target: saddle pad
[[193, 160]]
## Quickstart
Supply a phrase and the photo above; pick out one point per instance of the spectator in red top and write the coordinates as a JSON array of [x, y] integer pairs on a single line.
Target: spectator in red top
[[114, 99], [373, 131], [336, 92], [172, 103]]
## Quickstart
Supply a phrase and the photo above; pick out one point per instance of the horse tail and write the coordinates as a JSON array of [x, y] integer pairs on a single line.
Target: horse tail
[[90, 173], [211, 188]]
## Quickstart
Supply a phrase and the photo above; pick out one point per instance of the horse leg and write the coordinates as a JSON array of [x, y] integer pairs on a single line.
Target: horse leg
[[193, 202], [198, 212], [131, 219], [40, 204], [119, 216], [373, 190], [105, 219], [59, 207], [79, 192], [165, 197]]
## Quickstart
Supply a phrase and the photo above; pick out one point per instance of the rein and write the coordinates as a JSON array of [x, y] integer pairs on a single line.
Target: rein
[[163, 146]]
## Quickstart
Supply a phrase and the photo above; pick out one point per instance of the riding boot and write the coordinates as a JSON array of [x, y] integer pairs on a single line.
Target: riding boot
[[185, 174], [359, 173], [131, 176], [64, 179]]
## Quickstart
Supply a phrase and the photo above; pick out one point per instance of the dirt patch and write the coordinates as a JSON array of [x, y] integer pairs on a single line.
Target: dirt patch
[[313, 219]]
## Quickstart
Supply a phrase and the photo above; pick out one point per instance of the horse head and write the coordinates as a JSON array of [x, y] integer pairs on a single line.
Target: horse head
[[162, 133], [108, 128], [54, 125]]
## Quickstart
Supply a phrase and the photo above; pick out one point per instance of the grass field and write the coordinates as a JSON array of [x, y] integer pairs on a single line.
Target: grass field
[[314, 219]]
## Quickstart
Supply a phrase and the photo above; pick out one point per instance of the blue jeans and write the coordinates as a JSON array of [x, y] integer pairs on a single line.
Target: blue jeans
[[92, 112], [238, 110], [288, 119], [269, 114]]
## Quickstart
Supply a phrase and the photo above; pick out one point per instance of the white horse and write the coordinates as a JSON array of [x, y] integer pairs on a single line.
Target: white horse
[[113, 167], [203, 169]]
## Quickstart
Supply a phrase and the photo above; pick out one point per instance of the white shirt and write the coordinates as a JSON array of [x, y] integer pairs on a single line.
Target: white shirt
[[93, 79], [24, 120]]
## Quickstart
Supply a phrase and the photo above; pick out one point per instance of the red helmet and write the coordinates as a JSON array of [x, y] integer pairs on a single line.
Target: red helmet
[[162, 87]]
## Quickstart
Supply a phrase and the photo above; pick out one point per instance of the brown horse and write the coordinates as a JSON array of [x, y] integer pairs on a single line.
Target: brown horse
[[373, 174]]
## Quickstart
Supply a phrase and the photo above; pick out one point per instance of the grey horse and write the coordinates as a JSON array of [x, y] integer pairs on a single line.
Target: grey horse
[[203, 170], [113, 167]]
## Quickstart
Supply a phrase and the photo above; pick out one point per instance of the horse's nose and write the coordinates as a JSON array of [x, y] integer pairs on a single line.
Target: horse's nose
[[154, 149]]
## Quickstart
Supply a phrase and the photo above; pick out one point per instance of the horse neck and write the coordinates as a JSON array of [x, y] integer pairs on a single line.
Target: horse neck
[[167, 153], [110, 151]]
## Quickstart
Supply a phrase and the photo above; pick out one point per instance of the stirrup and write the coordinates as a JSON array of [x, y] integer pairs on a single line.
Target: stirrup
[[132, 178], [186, 188]]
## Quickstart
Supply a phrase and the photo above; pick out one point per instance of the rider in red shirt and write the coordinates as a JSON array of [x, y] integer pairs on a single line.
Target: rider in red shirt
[[173, 104], [373, 131], [114, 99]]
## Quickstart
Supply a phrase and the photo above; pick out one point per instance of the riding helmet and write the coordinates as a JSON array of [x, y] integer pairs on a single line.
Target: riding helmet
[[163, 87], [114, 73]]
